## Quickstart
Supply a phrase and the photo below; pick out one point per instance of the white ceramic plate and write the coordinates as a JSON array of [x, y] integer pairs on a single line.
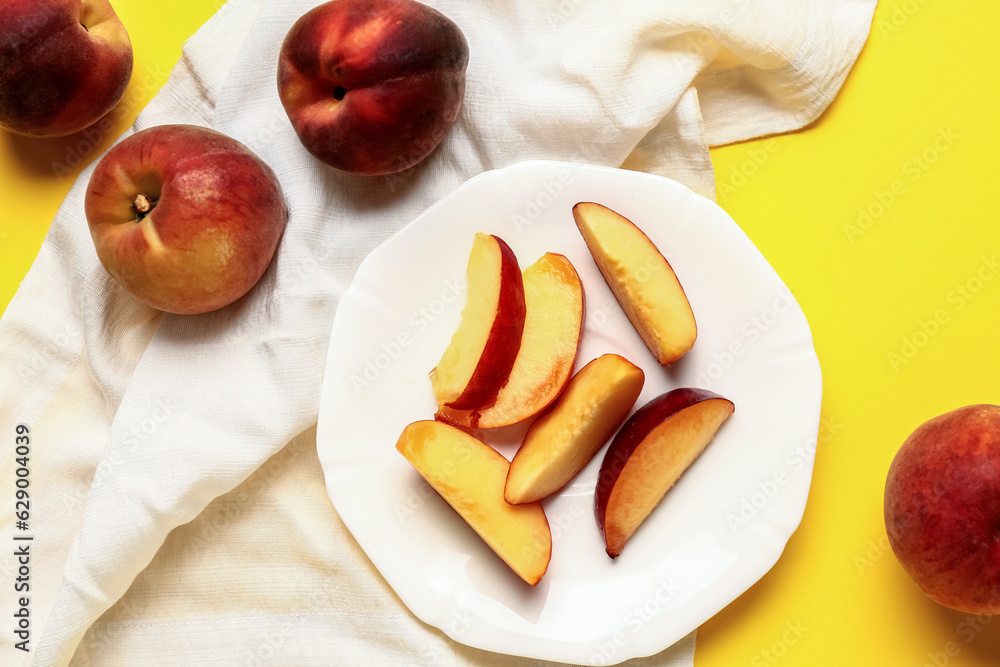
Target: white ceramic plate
[[717, 531]]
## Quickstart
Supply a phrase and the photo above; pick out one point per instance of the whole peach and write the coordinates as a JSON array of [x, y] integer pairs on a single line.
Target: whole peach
[[372, 86], [63, 64], [184, 217], [942, 508]]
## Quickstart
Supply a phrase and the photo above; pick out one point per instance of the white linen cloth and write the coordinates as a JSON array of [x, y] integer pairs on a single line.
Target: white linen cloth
[[173, 465]]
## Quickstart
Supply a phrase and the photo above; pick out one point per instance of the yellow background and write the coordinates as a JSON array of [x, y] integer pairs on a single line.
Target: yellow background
[[913, 141]]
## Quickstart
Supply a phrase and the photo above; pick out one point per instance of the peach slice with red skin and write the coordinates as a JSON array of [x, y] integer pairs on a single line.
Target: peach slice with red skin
[[641, 279], [649, 454], [553, 324], [563, 440], [477, 361], [470, 476]]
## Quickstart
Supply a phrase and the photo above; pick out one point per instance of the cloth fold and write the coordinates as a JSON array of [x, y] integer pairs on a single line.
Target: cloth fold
[[143, 422]]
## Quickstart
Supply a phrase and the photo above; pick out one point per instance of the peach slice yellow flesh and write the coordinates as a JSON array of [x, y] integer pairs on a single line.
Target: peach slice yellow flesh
[[477, 361], [649, 454], [470, 475], [553, 297], [641, 279], [563, 440]]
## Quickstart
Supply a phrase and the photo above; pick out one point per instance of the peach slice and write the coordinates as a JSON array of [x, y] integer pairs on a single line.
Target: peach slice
[[553, 324], [563, 440], [641, 279], [470, 475], [482, 350], [651, 451]]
